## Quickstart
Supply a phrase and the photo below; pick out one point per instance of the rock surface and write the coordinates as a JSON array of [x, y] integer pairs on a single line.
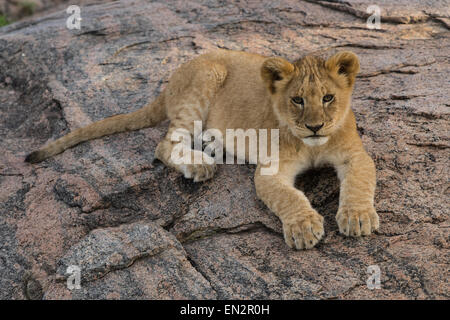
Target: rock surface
[[138, 230], [14, 10]]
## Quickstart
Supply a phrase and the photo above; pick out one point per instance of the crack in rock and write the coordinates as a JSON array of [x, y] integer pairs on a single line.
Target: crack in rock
[[109, 249]]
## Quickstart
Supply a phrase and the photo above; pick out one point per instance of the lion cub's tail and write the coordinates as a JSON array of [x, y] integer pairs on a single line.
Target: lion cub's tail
[[148, 116]]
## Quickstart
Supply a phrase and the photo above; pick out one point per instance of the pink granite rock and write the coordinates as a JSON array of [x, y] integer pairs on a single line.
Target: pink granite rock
[[138, 230]]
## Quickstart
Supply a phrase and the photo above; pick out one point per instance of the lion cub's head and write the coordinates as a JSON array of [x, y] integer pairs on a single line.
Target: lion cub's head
[[311, 96]]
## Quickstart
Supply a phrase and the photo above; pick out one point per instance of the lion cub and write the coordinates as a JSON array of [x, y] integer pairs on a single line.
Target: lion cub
[[308, 101]]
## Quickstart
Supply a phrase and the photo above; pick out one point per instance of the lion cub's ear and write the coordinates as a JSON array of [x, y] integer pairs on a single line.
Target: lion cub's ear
[[345, 63], [275, 72]]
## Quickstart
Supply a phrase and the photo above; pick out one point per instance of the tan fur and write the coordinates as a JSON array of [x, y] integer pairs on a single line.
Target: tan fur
[[231, 90]]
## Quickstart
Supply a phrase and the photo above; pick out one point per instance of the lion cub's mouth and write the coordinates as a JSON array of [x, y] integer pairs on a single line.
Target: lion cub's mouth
[[315, 140]]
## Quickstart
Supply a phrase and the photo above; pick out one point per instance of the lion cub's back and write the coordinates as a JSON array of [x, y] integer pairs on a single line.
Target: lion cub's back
[[242, 101]]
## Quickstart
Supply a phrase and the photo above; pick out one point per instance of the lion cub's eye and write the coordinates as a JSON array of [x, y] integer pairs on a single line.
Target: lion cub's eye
[[297, 100], [328, 98]]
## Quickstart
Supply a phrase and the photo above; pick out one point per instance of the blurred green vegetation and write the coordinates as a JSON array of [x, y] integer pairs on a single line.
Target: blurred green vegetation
[[3, 20], [27, 7]]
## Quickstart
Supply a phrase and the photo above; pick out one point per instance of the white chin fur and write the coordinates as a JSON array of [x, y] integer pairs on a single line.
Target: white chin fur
[[314, 142]]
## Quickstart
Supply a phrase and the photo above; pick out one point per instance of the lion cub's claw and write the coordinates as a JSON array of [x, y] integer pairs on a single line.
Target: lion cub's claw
[[303, 231], [357, 222]]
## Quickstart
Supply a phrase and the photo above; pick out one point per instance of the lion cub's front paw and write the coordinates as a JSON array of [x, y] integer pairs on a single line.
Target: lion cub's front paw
[[199, 172], [303, 230], [357, 222]]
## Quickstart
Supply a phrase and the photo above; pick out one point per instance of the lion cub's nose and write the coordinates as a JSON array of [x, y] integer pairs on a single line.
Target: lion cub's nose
[[314, 128]]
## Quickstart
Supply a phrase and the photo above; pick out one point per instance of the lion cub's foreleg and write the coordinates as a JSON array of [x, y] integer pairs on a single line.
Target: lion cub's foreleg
[[302, 225], [189, 94], [356, 214]]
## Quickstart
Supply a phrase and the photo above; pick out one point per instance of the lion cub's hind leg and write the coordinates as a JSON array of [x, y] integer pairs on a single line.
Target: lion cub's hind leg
[[189, 94]]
